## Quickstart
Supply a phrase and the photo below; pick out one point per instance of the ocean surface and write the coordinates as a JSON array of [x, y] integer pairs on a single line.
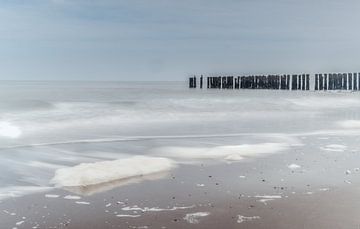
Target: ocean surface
[[122, 130]]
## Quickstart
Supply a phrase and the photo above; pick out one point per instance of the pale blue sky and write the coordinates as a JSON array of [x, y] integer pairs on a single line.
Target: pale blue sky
[[168, 39]]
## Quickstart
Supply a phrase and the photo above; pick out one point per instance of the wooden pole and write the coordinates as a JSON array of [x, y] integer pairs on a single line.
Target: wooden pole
[[350, 81], [294, 82], [344, 81], [333, 81], [307, 82], [303, 82], [340, 81], [321, 82], [355, 81], [287, 82], [223, 82], [282, 82]]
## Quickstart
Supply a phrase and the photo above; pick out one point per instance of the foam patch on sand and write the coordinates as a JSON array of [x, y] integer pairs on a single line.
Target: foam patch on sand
[[228, 153], [9, 130], [52, 196], [106, 171], [294, 166], [264, 201], [334, 148], [194, 218], [127, 216], [269, 196], [103, 187], [70, 197], [242, 218], [82, 202], [154, 209], [266, 198]]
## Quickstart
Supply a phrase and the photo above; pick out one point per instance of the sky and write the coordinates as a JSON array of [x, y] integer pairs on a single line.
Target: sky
[[173, 39]]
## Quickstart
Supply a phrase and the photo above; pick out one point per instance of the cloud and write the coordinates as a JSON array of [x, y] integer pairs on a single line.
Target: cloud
[[116, 38]]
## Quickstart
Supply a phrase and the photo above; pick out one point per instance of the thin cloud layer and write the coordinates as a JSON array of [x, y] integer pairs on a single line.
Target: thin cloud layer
[[156, 40]]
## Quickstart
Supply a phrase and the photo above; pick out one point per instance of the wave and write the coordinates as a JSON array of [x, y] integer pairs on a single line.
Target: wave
[[18, 191], [287, 137], [228, 153]]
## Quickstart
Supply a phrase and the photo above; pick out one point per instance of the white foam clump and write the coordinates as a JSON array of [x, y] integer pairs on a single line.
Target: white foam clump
[[242, 218], [334, 148], [264, 201], [82, 202], [127, 216], [154, 209], [230, 152], [294, 166], [194, 218], [51, 196], [106, 171], [269, 196], [266, 198], [9, 130], [70, 197], [19, 223]]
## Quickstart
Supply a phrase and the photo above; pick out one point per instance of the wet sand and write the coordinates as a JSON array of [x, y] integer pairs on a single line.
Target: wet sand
[[312, 185]]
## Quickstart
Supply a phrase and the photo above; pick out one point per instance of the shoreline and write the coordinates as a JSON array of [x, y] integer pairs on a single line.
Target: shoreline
[[254, 193]]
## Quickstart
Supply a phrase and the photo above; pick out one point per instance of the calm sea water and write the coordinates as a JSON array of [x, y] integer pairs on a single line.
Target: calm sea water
[[45, 126]]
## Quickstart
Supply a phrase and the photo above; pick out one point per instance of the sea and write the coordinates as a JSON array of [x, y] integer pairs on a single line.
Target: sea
[[65, 134]]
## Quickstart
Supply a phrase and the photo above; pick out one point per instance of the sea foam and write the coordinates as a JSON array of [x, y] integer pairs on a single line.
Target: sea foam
[[9, 130], [194, 218], [18, 191], [106, 171], [228, 153]]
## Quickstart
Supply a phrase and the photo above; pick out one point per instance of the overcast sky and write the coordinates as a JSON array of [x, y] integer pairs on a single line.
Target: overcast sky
[[171, 39]]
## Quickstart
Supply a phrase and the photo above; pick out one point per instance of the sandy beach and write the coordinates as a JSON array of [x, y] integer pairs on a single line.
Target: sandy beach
[[261, 193]]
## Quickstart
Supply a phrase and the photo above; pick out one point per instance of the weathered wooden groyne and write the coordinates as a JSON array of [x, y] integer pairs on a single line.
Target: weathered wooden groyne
[[320, 82]]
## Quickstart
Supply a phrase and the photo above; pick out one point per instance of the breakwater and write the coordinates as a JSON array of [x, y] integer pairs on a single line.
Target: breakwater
[[317, 82]]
